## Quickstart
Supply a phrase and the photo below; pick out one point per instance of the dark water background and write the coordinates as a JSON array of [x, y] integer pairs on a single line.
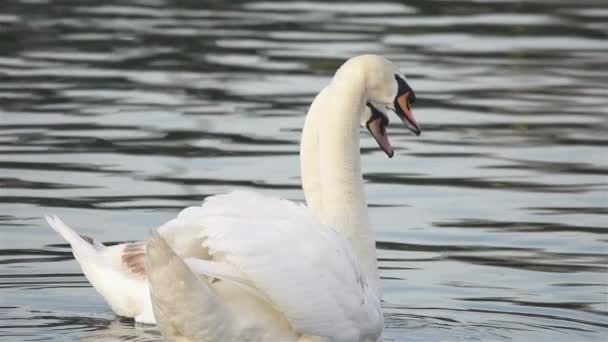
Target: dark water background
[[491, 226]]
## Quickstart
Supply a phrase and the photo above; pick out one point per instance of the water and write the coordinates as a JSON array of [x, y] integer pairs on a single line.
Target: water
[[491, 226]]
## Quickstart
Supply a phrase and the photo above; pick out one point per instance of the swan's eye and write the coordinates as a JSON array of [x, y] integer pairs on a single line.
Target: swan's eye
[[412, 99]]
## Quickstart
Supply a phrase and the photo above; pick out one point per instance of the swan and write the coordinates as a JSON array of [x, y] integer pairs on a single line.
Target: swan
[[246, 266]]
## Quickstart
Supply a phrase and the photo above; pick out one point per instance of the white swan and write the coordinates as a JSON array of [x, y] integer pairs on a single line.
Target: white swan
[[263, 269]]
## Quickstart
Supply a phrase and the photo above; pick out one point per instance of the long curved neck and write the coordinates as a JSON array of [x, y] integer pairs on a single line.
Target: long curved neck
[[331, 165]]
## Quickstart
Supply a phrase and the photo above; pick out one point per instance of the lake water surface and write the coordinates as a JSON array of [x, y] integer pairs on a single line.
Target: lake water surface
[[491, 226]]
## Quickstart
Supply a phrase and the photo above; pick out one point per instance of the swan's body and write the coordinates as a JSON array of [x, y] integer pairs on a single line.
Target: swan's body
[[283, 275], [249, 267]]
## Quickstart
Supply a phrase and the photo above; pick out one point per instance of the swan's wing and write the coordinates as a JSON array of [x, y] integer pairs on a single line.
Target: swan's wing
[[185, 308], [307, 270]]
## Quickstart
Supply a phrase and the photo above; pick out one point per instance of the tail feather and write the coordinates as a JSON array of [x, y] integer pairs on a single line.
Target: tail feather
[[126, 293], [81, 245], [91, 241]]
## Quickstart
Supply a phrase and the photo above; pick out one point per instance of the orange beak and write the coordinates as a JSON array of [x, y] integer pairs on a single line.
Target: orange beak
[[403, 110]]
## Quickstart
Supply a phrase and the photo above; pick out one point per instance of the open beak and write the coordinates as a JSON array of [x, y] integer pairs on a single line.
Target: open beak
[[404, 112], [376, 125]]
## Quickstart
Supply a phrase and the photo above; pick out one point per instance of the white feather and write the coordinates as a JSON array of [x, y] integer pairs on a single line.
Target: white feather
[[307, 270], [125, 292], [178, 295]]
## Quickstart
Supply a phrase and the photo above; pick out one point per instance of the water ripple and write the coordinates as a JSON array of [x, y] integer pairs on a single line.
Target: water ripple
[[491, 225]]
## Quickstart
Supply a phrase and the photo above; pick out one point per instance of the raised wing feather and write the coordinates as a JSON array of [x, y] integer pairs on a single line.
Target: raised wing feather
[[307, 270]]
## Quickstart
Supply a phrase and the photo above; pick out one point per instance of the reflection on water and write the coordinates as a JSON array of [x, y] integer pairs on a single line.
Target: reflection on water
[[491, 225]]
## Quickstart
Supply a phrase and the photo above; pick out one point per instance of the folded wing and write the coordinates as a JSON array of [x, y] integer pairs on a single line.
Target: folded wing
[[305, 269]]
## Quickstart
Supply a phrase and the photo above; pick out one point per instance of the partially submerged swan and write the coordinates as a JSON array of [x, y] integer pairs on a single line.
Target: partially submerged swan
[[244, 266]]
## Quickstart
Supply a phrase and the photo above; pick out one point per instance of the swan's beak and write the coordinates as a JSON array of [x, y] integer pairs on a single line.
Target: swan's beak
[[376, 125], [404, 112]]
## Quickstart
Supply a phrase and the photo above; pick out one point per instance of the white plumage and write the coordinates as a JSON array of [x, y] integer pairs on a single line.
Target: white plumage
[[248, 267], [123, 289], [306, 269]]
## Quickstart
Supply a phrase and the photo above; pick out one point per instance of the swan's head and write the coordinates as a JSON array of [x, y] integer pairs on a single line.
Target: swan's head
[[387, 89]]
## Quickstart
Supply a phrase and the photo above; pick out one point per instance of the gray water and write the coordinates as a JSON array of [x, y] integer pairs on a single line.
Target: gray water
[[491, 226]]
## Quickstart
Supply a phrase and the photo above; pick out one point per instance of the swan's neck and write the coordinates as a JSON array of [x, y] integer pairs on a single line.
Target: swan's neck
[[331, 165]]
